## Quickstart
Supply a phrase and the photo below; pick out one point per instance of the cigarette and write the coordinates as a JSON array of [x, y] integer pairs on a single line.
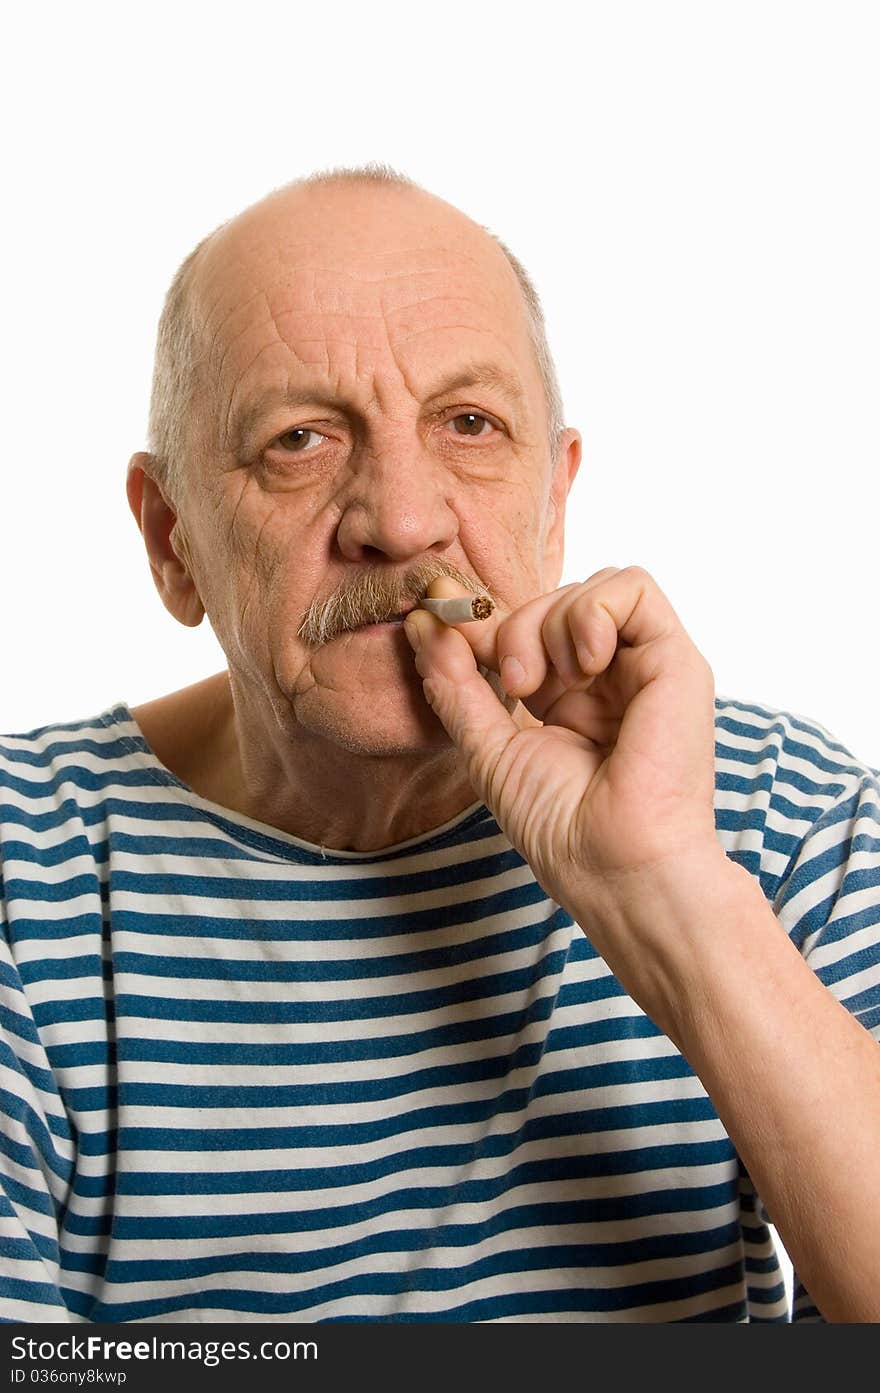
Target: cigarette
[[460, 611]]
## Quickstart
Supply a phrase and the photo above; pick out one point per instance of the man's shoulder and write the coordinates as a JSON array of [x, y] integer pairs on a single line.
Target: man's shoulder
[[119, 735], [751, 736], [42, 746], [51, 770], [780, 778]]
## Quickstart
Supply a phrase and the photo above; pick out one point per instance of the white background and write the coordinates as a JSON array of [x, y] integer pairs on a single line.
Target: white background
[[693, 186]]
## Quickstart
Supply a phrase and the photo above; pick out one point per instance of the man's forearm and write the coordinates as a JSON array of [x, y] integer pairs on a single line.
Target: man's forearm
[[793, 1077]]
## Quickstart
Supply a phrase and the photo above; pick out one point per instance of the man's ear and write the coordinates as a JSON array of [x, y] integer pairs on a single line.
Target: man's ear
[[568, 459], [165, 542]]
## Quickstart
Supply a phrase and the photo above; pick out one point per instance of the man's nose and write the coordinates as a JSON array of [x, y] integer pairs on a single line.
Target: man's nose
[[396, 504]]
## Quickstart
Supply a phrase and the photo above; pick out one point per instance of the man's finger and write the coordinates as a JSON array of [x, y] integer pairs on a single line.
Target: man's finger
[[569, 634], [482, 635], [577, 630]]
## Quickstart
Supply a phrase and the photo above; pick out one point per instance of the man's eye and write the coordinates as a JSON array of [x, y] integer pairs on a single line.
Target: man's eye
[[467, 423], [473, 423], [288, 441]]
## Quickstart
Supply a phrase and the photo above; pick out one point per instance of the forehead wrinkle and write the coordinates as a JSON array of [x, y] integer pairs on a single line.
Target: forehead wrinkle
[[383, 310], [326, 314], [372, 280], [230, 431], [262, 293], [423, 310], [285, 251], [253, 328], [283, 289], [446, 298], [235, 432], [440, 328], [305, 314], [442, 259], [230, 314]]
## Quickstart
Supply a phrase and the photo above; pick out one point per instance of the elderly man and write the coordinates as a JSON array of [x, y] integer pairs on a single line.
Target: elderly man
[[405, 970]]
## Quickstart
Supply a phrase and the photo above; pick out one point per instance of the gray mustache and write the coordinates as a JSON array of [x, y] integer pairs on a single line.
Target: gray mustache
[[371, 597]]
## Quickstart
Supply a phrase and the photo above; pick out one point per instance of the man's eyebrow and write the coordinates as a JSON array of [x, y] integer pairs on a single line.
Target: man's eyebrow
[[484, 374], [245, 421]]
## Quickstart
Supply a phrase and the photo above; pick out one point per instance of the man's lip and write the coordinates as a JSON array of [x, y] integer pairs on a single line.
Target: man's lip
[[397, 618]]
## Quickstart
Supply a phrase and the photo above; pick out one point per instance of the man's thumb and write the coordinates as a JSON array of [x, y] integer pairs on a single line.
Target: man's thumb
[[460, 697]]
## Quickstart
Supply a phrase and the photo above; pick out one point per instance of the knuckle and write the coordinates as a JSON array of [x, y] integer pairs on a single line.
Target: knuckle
[[589, 602], [694, 659], [638, 573]]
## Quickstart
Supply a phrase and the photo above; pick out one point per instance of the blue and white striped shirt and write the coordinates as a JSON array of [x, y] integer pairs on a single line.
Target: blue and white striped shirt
[[248, 1079]]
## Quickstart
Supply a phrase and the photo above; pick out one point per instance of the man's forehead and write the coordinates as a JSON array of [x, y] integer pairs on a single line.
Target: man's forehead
[[307, 279], [300, 302], [309, 255]]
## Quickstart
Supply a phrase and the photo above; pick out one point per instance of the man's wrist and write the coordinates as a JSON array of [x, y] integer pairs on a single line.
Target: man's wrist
[[682, 936]]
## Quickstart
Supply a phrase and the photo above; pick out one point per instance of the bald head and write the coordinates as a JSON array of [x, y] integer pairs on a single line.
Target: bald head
[[371, 221]]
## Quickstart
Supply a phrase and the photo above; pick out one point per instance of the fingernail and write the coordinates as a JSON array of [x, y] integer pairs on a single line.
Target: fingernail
[[411, 629], [513, 673]]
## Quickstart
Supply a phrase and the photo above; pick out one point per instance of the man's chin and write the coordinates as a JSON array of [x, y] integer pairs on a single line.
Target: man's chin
[[365, 695], [383, 725]]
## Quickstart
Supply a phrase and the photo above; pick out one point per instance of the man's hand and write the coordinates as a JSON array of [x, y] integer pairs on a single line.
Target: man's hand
[[621, 774], [616, 788], [611, 802]]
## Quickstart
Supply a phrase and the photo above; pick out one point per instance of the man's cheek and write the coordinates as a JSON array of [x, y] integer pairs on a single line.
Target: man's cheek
[[503, 546]]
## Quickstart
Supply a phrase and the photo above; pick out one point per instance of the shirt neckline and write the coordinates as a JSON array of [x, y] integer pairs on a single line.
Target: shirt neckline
[[260, 836]]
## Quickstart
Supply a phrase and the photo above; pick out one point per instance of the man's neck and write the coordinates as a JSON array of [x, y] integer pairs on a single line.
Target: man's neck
[[329, 796]]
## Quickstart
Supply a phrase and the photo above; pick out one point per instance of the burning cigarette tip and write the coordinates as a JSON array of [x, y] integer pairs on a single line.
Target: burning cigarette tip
[[460, 610]]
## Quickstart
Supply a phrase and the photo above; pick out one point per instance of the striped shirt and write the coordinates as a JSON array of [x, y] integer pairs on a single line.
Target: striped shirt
[[247, 1078]]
